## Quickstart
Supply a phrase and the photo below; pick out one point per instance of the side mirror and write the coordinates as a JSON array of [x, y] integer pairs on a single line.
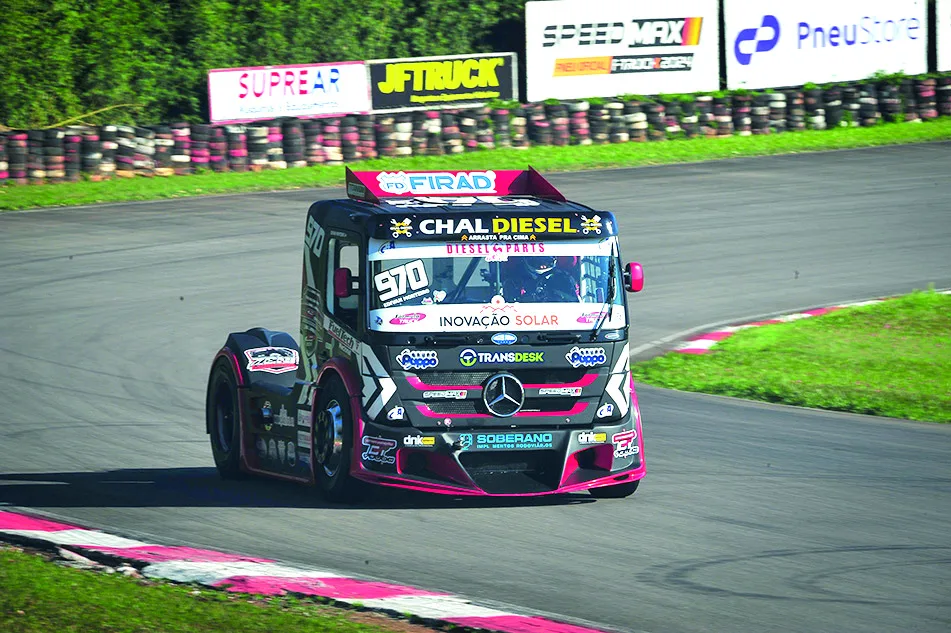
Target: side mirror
[[633, 277], [343, 283]]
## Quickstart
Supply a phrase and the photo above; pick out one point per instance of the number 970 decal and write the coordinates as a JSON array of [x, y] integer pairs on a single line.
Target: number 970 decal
[[402, 283]]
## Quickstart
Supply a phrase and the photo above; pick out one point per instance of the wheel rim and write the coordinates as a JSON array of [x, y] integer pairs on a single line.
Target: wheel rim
[[328, 438], [224, 416]]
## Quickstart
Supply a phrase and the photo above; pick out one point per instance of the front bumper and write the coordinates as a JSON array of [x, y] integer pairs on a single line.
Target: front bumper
[[500, 462]]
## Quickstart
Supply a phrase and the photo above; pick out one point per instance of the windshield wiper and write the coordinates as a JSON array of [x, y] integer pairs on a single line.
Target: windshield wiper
[[608, 302]]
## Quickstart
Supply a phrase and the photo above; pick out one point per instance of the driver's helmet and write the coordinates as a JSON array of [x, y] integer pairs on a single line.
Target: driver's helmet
[[539, 265]]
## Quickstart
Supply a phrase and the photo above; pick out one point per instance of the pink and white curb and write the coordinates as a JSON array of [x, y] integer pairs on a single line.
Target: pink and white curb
[[246, 574], [702, 343]]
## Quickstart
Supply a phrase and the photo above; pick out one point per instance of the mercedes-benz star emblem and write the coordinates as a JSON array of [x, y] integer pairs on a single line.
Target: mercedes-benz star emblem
[[503, 395]]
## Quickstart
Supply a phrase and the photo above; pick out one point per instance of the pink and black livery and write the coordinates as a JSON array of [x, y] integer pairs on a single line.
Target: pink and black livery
[[461, 333]]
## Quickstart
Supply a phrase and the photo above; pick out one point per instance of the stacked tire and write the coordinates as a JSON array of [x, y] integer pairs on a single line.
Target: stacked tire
[[108, 138], [332, 141], [200, 137], [237, 138], [182, 149], [218, 149], [500, 127], [4, 161], [519, 123], [17, 146], [578, 125], [314, 142], [275, 146], [257, 147]]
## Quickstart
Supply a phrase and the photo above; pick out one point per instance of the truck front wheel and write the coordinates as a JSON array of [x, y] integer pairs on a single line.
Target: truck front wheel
[[223, 420], [333, 444]]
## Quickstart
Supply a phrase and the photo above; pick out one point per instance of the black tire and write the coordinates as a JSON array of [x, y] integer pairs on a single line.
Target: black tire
[[615, 492], [223, 419], [332, 448]]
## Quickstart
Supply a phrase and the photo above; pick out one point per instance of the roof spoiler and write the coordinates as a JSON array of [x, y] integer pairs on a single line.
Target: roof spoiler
[[373, 186]]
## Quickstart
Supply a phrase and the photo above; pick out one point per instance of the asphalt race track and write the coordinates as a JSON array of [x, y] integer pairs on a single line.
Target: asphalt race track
[[751, 518]]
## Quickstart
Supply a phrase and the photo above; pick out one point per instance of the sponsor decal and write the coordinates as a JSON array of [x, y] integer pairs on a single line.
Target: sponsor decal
[[314, 240], [346, 340], [417, 359], [625, 444], [560, 391], [273, 360], [590, 437], [575, 48], [451, 394], [506, 441], [272, 449], [441, 81], [283, 419], [586, 356], [261, 445], [291, 455], [419, 440], [770, 43], [303, 418], [401, 228], [760, 39], [303, 439], [281, 451], [266, 415], [469, 357], [605, 410], [399, 183], [531, 248], [504, 338], [396, 413], [655, 32], [591, 225], [406, 319], [402, 283], [356, 190], [302, 91], [613, 335], [378, 449], [590, 318], [304, 459]]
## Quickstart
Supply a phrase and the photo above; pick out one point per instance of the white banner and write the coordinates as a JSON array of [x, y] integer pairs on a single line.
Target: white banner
[[266, 92], [773, 43], [605, 48], [944, 34]]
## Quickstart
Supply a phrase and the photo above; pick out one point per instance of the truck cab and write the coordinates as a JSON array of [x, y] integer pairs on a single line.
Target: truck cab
[[462, 333]]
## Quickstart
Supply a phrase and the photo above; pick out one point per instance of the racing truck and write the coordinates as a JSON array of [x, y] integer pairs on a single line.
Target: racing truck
[[461, 333]]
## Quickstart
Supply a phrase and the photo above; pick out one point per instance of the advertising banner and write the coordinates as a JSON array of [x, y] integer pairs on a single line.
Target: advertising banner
[[580, 48], [775, 43], [943, 34], [238, 95], [424, 83]]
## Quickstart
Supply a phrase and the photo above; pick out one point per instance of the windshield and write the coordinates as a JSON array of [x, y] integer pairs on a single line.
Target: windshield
[[477, 286]]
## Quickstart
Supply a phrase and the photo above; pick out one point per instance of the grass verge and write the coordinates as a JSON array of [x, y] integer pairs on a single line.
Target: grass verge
[[891, 359], [545, 159], [39, 597]]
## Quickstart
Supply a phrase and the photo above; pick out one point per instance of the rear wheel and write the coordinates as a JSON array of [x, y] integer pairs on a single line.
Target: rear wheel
[[223, 419], [615, 492], [333, 444]]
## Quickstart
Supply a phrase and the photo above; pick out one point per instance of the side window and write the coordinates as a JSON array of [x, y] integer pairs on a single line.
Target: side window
[[350, 258], [344, 254]]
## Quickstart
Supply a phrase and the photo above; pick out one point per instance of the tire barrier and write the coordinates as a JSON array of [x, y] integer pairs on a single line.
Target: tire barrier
[[4, 161], [74, 152]]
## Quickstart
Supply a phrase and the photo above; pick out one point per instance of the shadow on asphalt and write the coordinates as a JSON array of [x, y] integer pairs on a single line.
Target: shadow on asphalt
[[202, 487]]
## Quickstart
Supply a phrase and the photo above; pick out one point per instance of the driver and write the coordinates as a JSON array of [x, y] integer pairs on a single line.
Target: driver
[[539, 279]]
